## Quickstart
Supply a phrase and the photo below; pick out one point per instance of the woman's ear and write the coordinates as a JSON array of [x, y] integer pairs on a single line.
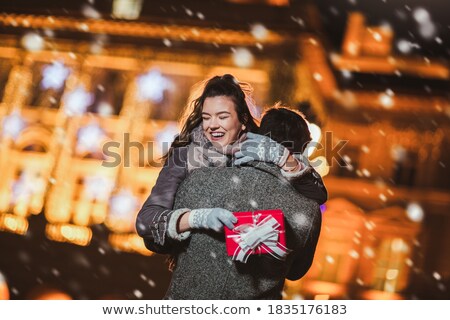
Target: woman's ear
[[243, 127]]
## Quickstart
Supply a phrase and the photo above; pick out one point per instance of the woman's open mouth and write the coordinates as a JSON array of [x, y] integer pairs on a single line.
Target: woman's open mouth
[[215, 136]]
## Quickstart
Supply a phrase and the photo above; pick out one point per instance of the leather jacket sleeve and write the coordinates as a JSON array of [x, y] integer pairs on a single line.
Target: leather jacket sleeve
[[307, 182], [303, 258], [153, 218]]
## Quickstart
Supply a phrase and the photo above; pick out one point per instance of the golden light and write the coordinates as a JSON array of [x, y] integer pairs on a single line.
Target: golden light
[[320, 164], [44, 292], [13, 223], [316, 134], [322, 297], [4, 292], [69, 233], [129, 242]]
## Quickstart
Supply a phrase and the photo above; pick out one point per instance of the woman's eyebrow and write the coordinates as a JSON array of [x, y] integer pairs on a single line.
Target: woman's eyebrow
[[220, 112]]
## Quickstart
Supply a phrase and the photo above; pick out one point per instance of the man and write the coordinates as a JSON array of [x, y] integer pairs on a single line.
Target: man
[[203, 270]]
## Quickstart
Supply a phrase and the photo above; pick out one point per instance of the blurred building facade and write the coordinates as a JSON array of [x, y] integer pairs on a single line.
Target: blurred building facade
[[90, 96]]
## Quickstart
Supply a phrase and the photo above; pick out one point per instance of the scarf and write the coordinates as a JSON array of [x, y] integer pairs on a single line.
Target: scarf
[[202, 153]]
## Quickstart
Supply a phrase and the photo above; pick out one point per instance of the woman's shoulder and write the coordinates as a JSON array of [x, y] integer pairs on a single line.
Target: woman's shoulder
[[178, 157]]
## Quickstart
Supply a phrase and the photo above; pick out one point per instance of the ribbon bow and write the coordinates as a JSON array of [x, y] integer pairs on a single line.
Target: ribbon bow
[[257, 237]]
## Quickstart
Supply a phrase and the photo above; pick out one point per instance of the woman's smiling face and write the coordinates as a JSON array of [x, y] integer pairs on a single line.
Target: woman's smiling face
[[220, 120]]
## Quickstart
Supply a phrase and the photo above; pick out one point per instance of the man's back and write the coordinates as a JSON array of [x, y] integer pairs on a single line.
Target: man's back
[[203, 269]]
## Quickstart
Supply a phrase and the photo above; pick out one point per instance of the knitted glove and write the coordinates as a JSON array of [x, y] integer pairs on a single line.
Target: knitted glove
[[211, 218], [261, 148]]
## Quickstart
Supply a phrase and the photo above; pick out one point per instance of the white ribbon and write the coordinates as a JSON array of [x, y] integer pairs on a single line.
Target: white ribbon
[[262, 235]]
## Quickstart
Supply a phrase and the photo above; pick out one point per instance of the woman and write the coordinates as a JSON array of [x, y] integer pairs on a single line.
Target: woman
[[219, 119]]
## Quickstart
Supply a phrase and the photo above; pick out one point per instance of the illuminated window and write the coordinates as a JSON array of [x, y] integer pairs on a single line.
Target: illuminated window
[[127, 9]]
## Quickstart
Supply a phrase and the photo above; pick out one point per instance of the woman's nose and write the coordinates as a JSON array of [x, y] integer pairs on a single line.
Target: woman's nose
[[213, 124]]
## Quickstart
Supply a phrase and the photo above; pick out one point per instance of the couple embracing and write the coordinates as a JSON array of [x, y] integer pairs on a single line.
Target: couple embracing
[[222, 163]]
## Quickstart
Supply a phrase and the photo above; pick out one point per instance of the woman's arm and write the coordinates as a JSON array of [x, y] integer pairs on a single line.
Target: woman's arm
[[305, 179], [153, 219], [299, 173]]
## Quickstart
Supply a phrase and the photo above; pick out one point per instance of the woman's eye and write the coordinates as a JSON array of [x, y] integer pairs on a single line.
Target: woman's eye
[[221, 118], [205, 119]]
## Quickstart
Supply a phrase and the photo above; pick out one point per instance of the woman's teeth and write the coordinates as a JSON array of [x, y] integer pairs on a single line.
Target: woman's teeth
[[217, 134]]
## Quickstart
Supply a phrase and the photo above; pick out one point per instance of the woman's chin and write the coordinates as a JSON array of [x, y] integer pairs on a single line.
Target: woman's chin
[[219, 145]]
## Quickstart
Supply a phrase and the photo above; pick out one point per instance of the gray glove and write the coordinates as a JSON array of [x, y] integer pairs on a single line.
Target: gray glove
[[211, 218], [261, 148]]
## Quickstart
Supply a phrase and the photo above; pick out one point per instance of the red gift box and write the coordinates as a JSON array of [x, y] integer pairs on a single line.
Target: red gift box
[[257, 232]]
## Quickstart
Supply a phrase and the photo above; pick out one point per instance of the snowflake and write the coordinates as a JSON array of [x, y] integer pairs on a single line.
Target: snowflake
[[242, 57]]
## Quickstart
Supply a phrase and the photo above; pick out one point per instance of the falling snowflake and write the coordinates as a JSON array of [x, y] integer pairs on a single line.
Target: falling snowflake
[[138, 293], [354, 254], [298, 20], [236, 179], [259, 31], [421, 15], [368, 252], [55, 272], [105, 109], [414, 212], [365, 149], [242, 57], [300, 219], [33, 42], [386, 100], [329, 259], [437, 276], [317, 76], [347, 74], [90, 12], [398, 153]]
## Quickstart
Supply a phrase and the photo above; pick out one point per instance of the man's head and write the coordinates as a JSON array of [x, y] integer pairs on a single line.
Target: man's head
[[287, 127]]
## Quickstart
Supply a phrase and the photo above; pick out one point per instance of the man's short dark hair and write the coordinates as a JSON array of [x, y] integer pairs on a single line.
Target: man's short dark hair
[[286, 126]]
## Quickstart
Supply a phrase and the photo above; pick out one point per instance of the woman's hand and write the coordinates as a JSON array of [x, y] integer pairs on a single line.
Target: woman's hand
[[261, 148], [211, 218]]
